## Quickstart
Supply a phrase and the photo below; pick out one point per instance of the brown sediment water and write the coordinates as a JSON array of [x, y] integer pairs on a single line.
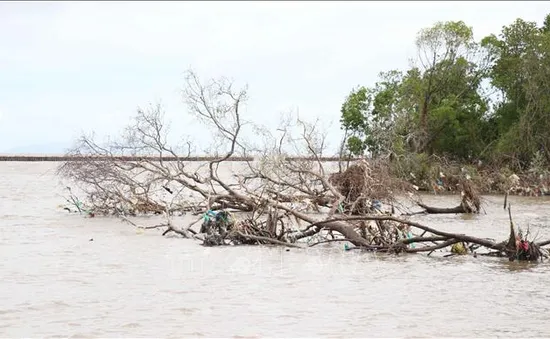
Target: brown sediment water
[[56, 282]]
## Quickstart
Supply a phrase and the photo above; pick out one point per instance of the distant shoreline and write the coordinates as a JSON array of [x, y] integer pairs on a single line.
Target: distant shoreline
[[487, 182], [60, 158]]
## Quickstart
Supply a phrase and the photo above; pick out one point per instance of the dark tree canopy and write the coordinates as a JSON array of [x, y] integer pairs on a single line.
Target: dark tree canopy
[[462, 99]]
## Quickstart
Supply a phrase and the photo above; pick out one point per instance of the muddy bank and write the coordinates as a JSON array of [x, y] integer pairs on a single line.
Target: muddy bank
[[441, 178]]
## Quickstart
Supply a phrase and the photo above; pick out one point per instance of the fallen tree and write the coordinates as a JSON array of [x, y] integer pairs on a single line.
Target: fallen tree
[[275, 199], [470, 201]]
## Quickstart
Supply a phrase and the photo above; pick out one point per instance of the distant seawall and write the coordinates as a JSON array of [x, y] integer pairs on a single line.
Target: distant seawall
[[61, 158]]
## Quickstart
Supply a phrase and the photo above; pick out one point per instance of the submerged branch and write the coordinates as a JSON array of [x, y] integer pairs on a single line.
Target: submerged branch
[[274, 200]]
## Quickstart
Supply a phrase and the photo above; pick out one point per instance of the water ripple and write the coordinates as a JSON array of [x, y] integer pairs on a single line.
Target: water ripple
[[57, 283]]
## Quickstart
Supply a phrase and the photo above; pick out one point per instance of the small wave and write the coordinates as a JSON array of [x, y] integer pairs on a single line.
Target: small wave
[[8, 311], [186, 310], [131, 325]]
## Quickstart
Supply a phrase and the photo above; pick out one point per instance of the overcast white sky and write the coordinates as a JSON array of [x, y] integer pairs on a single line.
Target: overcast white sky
[[73, 67]]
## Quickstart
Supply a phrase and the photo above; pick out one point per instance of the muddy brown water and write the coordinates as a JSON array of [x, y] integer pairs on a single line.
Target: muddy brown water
[[57, 283]]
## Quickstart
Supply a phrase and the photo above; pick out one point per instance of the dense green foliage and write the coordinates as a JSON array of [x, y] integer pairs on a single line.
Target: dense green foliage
[[462, 99]]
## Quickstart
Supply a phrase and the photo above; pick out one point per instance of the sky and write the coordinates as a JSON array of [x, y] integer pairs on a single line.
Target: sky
[[68, 68]]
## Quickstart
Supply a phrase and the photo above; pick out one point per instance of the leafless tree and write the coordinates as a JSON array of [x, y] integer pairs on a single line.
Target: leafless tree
[[275, 198]]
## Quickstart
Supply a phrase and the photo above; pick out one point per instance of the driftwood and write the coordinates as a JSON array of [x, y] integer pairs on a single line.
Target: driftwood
[[470, 201], [518, 248], [439, 210], [273, 200]]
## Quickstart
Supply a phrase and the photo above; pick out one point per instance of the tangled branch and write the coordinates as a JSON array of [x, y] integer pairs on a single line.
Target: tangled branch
[[275, 199]]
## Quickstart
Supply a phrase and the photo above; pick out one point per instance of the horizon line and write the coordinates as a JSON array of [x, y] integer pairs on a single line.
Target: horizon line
[[60, 158]]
